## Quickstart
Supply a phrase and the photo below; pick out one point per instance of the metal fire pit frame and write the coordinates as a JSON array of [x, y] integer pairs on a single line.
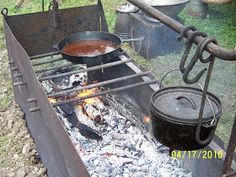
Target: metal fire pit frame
[[30, 36]]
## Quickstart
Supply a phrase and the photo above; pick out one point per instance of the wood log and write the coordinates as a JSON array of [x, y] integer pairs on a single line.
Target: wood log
[[92, 113], [88, 132], [19, 4], [95, 111]]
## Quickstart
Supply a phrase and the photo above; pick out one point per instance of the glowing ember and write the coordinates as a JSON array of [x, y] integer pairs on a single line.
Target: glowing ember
[[52, 100], [146, 120]]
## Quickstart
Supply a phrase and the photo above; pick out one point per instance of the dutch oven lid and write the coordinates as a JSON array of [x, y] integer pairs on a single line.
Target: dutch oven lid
[[182, 104]]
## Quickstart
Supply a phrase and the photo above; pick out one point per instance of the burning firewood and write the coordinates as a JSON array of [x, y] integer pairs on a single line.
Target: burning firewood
[[93, 107], [92, 113]]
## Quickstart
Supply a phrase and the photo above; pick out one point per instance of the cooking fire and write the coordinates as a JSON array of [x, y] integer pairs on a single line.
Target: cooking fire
[[108, 136], [96, 112]]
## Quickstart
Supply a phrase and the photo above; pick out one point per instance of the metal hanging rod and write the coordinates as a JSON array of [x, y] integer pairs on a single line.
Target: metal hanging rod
[[214, 49]]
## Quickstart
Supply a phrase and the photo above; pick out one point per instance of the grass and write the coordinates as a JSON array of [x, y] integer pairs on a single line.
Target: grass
[[220, 23]]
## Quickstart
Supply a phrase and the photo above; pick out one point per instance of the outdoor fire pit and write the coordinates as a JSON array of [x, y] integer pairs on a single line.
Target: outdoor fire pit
[[88, 120]]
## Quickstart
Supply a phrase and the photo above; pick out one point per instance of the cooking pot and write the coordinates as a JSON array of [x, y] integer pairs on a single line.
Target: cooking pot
[[123, 22], [175, 111], [89, 41], [168, 7]]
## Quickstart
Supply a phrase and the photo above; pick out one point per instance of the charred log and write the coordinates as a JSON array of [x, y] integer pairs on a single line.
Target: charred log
[[88, 132]]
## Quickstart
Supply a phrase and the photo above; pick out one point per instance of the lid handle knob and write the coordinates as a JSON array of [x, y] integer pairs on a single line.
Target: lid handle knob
[[189, 100]]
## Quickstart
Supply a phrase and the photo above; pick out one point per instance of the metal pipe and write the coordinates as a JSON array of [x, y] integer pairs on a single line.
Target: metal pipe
[[211, 47], [230, 150], [107, 65], [99, 84], [105, 92]]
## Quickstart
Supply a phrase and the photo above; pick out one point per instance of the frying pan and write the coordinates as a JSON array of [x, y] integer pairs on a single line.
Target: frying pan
[[88, 36]]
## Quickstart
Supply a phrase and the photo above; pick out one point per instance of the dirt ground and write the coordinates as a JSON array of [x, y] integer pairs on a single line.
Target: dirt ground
[[18, 156]]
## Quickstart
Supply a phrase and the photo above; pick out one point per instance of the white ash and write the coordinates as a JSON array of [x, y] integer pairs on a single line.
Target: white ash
[[80, 78], [66, 82], [126, 149]]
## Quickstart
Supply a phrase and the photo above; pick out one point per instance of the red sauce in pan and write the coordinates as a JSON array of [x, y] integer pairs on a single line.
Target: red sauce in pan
[[89, 48]]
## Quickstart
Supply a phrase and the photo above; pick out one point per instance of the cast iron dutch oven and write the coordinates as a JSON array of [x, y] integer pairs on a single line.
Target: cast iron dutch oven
[[88, 39], [174, 112]]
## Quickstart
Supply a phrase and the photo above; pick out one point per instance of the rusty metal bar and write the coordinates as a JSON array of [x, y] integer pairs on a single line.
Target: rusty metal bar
[[43, 55], [43, 5], [49, 61], [232, 174], [19, 83], [14, 68], [99, 84], [11, 62], [18, 75], [55, 23], [105, 92], [211, 47], [107, 65], [54, 68], [230, 150]]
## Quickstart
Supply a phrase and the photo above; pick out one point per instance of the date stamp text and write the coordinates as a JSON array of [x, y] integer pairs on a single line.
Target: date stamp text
[[200, 154]]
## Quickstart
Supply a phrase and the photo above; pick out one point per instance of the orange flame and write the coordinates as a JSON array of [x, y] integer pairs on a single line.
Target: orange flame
[[87, 93], [83, 93]]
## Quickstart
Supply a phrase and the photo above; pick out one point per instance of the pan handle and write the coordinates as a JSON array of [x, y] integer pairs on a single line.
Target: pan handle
[[132, 40]]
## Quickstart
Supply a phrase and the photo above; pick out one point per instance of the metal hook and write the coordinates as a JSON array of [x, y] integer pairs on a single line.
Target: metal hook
[[195, 34], [193, 60], [188, 48], [189, 69], [4, 11], [184, 31], [202, 47]]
